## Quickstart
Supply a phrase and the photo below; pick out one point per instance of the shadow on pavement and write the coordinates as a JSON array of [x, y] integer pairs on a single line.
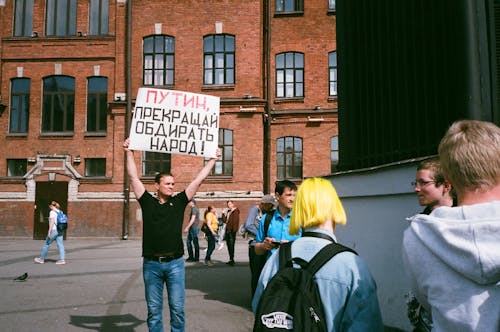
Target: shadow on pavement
[[122, 323]]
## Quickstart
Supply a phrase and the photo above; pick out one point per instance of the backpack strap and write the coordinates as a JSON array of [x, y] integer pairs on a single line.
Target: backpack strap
[[319, 235], [324, 255], [267, 222], [285, 254]]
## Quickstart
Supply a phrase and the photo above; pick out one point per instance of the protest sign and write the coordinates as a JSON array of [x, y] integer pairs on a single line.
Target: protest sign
[[173, 121]]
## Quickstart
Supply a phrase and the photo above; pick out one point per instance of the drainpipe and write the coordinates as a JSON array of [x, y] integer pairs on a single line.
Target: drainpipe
[[267, 93], [128, 111]]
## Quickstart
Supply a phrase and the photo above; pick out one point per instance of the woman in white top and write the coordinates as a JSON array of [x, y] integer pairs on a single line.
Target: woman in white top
[[52, 235]]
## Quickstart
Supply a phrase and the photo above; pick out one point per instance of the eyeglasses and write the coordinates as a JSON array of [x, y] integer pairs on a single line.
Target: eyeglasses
[[421, 183]]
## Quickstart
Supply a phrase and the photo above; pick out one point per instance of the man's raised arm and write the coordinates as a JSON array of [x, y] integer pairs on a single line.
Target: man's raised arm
[[137, 185], [192, 188]]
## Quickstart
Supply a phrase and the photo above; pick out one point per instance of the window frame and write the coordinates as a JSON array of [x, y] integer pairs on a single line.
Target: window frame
[[51, 121], [151, 159], [332, 68], [332, 5], [98, 17], [17, 161], [212, 68], [284, 72], [284, 170], [98, 113], [23, 18], [95, 166], [281, 6], [56, 13], [19, 106], [334, 151], [224, 166], [163, 51]]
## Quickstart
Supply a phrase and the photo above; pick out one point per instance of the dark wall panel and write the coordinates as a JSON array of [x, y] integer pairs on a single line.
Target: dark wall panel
[[406, 71]]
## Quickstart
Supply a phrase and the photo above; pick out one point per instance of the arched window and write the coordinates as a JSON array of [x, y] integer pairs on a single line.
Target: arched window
[[58, 114], [159, 66], [290, 75], [218, 59]]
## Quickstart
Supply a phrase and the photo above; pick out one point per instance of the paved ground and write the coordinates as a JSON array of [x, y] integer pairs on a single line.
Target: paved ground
[[101, 289]]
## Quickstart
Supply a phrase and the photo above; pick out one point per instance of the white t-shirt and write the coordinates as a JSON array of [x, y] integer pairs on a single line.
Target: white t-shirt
[[53, 215]]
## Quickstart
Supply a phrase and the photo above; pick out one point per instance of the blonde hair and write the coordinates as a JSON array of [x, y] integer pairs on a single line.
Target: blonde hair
[[316, 202], [470, 154]]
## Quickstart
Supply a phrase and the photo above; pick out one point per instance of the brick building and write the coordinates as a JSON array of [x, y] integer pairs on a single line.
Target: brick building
[[69, 75]]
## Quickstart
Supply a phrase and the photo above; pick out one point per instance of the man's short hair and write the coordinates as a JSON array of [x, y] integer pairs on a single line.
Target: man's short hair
[[470, 154], [160, 175], [433, 165], [280, 186]]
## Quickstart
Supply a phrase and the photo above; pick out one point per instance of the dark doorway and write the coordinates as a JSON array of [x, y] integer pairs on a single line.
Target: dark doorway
[[45, 193]]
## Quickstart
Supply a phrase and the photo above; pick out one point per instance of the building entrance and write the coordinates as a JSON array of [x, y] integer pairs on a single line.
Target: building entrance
[[44, 194]]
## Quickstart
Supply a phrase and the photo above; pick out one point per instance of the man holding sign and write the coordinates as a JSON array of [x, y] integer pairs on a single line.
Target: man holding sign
[[173, 122], [162, 246]]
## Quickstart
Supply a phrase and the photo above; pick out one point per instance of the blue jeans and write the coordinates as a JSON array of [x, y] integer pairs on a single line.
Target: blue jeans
[[48, 241], [211, 247], [156, 274], [192, 241]]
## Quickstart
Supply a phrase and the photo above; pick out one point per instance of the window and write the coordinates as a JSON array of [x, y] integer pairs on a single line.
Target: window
[[331, 4], [58, 104], [17, 167], [97, 96], [334, 152], [95, 167], [159, 60], [224, 166], [19, 105], [332, 67], [289, 157], [23, 18], [218, 59], [99, 17], [155, 162], [289, 75], [289, 5], [61, 18]]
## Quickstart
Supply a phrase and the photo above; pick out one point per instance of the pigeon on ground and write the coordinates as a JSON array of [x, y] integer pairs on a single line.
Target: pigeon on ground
[[22, 277]]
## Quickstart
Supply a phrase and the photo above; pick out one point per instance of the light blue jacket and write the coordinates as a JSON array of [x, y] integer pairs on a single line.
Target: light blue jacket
[[347, 288]]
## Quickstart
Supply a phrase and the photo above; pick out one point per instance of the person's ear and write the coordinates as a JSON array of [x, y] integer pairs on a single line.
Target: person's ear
[[447, 186]]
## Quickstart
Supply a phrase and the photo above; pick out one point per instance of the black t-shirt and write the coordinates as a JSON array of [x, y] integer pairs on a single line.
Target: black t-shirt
[[162, 224]]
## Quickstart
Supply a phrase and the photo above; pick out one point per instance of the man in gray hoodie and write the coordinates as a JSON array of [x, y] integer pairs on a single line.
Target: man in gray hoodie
[[452, 256]]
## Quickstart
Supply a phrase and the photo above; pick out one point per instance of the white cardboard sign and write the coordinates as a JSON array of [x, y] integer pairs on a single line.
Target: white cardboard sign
[[173, 121]]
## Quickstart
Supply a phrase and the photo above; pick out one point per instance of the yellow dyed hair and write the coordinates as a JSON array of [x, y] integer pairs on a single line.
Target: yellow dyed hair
[[316, 201]]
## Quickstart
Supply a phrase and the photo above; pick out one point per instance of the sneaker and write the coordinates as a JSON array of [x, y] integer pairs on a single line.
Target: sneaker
[[61, 262], [231, 263], [39, 260]]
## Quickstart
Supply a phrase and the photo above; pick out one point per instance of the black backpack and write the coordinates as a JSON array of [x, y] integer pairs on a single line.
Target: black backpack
[[291, 300]]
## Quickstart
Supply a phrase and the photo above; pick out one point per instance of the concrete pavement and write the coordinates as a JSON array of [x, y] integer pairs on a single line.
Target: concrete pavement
[[101, 288]]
